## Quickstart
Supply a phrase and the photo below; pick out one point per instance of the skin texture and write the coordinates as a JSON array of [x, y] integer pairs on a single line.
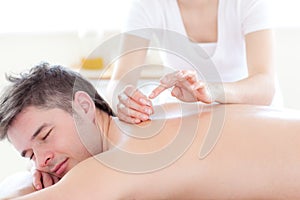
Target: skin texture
[[258, 88], [46, 153], [254, 154]]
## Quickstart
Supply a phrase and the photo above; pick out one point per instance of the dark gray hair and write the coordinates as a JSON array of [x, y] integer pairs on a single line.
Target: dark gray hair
[[44, 87]]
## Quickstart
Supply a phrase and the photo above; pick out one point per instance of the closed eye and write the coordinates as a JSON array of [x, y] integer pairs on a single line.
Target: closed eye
[[45, 137]]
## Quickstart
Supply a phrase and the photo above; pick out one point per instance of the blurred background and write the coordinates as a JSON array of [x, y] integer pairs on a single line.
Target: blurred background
[[66, 31]]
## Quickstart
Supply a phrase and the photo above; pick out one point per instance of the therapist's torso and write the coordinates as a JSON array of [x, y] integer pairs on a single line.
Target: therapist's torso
[[222, 61]]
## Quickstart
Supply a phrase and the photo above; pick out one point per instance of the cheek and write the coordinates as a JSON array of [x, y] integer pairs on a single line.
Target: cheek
[[81, 154], [77, 150], [90, 138], [73, 145]]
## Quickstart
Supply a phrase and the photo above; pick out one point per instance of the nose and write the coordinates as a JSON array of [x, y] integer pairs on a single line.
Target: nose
[[43, 159]]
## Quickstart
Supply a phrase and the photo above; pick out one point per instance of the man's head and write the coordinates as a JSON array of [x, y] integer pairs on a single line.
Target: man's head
[[45, 87], [42, 113]]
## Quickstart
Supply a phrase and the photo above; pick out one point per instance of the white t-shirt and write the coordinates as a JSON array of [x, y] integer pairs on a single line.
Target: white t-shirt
[[224, 60]]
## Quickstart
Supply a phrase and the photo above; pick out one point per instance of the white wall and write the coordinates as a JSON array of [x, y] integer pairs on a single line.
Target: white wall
[[288, 65], [19, 51], [22, 50], [61, 15]]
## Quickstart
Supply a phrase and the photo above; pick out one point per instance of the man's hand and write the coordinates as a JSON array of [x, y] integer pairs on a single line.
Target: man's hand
[[42, 179], [133, 107], [186, 87]]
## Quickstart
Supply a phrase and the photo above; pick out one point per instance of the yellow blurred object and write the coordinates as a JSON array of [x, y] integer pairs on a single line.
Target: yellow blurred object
[[92, 63]]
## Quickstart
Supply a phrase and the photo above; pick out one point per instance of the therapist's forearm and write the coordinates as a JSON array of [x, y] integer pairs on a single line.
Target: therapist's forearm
[[133, 54], [126, 71], [258, 89]]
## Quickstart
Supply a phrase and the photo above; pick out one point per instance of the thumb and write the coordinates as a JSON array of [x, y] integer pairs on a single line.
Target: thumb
[[176, 92]]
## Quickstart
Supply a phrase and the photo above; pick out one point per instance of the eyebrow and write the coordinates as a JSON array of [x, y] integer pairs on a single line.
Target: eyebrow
[[34, 135]]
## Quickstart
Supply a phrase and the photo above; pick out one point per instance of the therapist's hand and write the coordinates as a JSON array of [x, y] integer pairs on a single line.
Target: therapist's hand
[[186, 87], [133, 107], [42, 179]]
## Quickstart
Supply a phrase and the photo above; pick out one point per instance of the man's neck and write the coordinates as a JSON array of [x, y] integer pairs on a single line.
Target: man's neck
[[103, 123]]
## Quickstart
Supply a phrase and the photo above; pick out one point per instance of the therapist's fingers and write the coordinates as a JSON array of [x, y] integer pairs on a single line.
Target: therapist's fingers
[[131, 108], [128, 119], [188, 91], [130, 115], [166, 82], [203, 93], [188, 75], [137, 96], [159, 89], [177, 92], [172, 79], [184, 92], [132, 104], [181, 75]]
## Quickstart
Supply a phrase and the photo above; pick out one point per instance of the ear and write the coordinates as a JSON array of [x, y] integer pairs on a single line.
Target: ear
[[84, 104]]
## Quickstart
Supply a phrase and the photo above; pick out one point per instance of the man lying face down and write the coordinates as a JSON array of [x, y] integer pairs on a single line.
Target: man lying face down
[[28, 104], [56, 118]]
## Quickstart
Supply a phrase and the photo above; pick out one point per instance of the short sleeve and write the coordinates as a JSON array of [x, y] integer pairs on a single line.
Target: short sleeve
[[255, 15], [141, 18]]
